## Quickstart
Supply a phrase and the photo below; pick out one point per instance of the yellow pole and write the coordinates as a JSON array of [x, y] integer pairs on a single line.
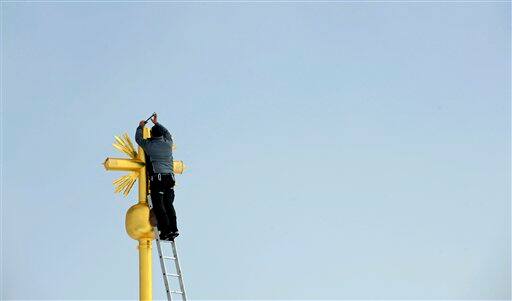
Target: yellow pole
[[145, 262], [142, 174], [145, 273]]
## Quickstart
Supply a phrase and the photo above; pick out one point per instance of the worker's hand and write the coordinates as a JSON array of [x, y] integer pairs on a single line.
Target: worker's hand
[[142, 123], [154, 119]]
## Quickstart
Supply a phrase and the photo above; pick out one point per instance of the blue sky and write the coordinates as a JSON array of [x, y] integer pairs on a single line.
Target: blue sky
[[335, 150]]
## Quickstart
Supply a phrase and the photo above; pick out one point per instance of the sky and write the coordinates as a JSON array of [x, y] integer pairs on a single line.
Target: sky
[[335, 150]]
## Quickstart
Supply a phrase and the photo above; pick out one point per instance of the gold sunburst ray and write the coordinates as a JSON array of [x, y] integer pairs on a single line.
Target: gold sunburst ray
[[130, 144], [125, 145], [125, 183]]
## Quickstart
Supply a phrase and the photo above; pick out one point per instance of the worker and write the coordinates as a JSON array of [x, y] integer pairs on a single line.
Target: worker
[[159, 162]]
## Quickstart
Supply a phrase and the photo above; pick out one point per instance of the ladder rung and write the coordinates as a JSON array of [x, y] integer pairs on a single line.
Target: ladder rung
[[176, 292], [173, 275], [169, 257]]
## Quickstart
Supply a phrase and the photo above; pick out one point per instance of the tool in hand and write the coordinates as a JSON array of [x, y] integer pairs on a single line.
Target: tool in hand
[[154, 114]]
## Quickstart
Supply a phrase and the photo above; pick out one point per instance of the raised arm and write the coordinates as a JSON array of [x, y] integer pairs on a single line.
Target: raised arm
[[139, 138]]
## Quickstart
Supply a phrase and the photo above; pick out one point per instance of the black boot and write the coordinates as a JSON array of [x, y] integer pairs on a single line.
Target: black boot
[[173, 235], [164, 235]]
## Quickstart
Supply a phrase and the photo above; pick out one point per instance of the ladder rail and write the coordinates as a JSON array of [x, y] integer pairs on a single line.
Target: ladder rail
[[162, 259], [162, 265], [178, 270]]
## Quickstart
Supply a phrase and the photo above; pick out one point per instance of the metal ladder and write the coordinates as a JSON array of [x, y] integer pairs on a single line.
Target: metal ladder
[[163, 257]]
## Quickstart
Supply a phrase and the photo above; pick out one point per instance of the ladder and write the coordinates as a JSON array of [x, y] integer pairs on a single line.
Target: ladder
[[165, 272]]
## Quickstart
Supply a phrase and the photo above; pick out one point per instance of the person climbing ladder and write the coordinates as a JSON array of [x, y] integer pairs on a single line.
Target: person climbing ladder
[[159, 162]]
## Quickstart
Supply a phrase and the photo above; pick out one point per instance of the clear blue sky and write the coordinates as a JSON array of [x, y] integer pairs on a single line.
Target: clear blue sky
[[336, 150]]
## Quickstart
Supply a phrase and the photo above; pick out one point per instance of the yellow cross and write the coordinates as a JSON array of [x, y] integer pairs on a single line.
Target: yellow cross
[[135, 165]]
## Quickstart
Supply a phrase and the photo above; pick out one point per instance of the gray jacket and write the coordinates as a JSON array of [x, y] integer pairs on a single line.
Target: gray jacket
[[158, 149]]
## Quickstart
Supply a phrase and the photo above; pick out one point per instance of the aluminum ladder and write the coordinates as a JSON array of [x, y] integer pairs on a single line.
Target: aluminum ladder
[[165, 272]]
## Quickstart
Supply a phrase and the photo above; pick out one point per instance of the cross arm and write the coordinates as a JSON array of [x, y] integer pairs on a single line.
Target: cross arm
[[123, 164]]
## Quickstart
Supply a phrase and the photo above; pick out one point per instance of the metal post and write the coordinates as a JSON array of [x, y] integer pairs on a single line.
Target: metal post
[[145, 273]]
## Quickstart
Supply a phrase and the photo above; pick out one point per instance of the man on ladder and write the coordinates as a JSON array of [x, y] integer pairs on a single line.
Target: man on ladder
[[159, 162]]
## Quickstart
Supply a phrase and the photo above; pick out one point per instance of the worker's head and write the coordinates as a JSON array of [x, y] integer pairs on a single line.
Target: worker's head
[[157, 131]]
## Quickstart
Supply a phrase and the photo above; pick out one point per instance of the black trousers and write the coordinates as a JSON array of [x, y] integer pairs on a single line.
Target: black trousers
[[162, 197]]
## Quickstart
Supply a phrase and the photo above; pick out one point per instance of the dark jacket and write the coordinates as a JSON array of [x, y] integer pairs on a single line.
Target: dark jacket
[[158, 149]]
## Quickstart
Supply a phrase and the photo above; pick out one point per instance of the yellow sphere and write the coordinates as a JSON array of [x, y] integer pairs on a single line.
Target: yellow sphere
[[137, 222]]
